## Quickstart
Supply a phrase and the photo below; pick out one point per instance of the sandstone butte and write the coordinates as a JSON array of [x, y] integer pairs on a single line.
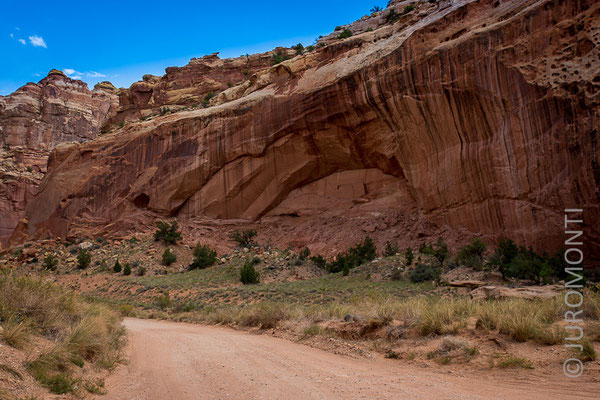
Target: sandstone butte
[[460, 118]]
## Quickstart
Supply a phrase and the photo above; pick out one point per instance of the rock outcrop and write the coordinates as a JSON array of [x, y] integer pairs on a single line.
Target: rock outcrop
[[34, 120], [467, 116]]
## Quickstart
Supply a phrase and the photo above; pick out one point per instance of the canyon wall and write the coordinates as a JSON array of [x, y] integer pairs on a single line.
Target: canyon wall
[[463, 117]]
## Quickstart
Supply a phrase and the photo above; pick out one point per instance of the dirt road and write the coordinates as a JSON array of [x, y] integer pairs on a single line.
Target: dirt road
[[182, 361]]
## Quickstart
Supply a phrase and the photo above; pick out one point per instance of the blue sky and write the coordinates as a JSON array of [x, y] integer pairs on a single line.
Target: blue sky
[[122, 40]]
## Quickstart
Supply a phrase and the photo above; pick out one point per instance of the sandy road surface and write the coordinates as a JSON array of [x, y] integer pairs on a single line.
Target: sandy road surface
[[182, 361]]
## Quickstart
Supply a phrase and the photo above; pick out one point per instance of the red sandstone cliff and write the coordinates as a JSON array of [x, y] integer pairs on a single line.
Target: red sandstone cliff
[[469, 116], [33, 120]]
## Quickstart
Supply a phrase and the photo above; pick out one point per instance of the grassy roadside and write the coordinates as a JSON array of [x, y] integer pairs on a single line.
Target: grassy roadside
[[66, 339]]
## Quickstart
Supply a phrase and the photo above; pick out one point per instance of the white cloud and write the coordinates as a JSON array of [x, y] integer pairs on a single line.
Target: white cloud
[[69, 71], [12, 35], [78, 77], [37, 41], [94, 74], [22, 41]]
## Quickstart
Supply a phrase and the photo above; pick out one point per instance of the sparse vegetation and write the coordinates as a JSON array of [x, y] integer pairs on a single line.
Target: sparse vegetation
[[204, 257], [299, 48], [127, 269], [279, 57], [424, 273], [471, 255], [346, 33], [168, 257], [244, 238], [355, 256], [391, 248], [408, 9], [50, 263], [207, 98], [392, 17], [83, 259], [117, 267], [248, 274], [81, 331], [375, 9], [410, 256], [167, 233]]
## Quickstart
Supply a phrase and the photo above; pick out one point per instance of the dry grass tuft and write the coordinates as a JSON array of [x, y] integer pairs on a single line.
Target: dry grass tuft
[[16, 333]]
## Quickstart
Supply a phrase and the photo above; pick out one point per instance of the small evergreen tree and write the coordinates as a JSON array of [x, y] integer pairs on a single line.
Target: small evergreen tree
[[117, 267], [248, 274], [83, 259], [244, 238], [204, 257], [168, 257], [410, 256], [127, 269], [167, 233], [391, 248]]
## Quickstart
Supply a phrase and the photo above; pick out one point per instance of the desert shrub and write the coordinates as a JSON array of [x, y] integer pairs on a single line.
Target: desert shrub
[[164, 110], [408, 9], [204, 257], [248, 274], [141, 271], [83, 259], [512, 361], [424, 273], [207, 98], [375, 9], [410, 256], [392, 17], [60, 316], [523, 263], [471, 255], [396, 275], [299, 48], [163, 302], [310, 48], [127, 269], [441, 252], [279, 57], [167, 233], [391, 248], [168, 257], [337, 28], [346, 33], [304, 253], [16, 333], [319, 260], [244, 238], [355, 256], [264, 315], [50, 263], [117, 267], [426, 249]]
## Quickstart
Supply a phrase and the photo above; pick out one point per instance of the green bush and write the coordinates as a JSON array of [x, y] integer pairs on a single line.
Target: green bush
[[248, 274], [375, 9], [337, 28], [243, 239], [441, 252], [426, 249], [279, 57], [50, 263], [408, 9], [392, 17], [319, 261], [83, 259], [471, 255], [204, 257], [424, 273], [410, 256], [117, 267], [355, 256], [127, 270], [168, 257], [391, 248], [346, 33], [299, 48], [207, 98], [167, 233], [304, 253]]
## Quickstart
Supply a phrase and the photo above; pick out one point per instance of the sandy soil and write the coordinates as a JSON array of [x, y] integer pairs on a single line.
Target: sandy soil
[[182, 361]]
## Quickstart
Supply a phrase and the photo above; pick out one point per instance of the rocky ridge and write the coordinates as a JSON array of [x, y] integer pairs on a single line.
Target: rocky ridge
[[464, 117]]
